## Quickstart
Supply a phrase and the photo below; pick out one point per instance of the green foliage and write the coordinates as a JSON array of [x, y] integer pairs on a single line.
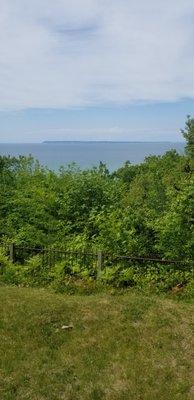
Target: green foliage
[[35, 272], [142, 210], [150, 278], [188, 134], [72, 277], [32, 273], [4, 262], [9, 273], [119, 277], [176, 227], [189, 290], [162, 279]]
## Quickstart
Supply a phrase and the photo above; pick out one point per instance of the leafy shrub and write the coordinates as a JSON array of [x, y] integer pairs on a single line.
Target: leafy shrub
[[161, 278], [10, 273], [118, 276], [189, 290], [36, 273], [3, 261], [30, 274], [71, 278], [149, 278]]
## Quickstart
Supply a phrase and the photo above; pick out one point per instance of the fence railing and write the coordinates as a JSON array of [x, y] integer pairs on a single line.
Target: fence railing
[[94, 261]]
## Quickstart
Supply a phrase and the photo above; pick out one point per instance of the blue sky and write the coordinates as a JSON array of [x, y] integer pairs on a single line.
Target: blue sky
[[148, 122], [95, 69]]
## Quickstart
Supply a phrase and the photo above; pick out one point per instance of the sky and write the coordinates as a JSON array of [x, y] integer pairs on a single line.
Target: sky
[[95, 69]]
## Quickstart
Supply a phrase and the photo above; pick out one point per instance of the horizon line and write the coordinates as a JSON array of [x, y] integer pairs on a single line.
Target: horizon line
[[96, 141]]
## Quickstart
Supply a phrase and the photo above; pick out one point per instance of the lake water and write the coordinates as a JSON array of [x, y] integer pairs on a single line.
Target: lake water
[[88, 154]]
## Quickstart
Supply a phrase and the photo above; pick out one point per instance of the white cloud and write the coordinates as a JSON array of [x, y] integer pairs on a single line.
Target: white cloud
[[61, 54]]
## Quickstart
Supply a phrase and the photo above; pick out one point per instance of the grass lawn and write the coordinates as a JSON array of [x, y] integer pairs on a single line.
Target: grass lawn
[[120, 347]]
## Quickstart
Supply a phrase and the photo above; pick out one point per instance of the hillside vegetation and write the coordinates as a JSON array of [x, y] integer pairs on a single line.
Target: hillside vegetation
[[129, 347], [143, 210]]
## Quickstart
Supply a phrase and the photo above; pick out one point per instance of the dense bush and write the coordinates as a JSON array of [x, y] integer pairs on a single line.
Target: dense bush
[[70, 278]]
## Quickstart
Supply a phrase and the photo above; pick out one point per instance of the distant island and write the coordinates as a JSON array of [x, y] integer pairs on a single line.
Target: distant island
[[105, 141]]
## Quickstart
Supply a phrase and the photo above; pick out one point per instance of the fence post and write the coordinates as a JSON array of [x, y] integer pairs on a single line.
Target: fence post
[[12, 253], [99, 264]]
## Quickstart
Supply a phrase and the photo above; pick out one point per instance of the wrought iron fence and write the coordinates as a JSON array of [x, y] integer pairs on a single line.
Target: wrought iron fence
[[72, 258], [93, 260]]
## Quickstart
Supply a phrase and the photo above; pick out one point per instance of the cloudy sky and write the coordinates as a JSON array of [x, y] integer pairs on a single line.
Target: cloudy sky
[[95, 69]]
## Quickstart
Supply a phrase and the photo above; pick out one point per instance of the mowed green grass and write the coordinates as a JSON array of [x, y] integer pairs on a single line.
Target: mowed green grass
[[120, 347]]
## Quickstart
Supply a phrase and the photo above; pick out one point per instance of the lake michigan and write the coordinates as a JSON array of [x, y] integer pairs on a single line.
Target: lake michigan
[[89, 154]]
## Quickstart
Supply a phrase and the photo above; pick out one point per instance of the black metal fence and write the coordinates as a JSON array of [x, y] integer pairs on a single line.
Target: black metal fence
[[71, 258], [93, 260]]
